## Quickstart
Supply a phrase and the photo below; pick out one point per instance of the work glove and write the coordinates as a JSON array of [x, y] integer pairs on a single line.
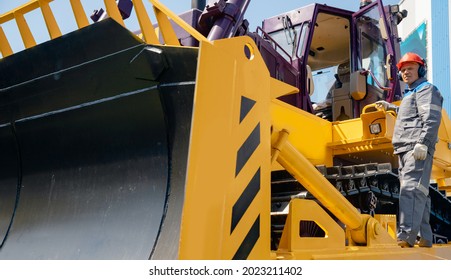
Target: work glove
[[420, 151], [385, 105]]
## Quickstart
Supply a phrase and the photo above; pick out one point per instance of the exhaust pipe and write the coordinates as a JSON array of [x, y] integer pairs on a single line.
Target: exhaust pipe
[[198, 4]]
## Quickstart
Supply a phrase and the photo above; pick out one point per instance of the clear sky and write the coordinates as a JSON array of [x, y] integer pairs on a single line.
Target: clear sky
[[256, 12]]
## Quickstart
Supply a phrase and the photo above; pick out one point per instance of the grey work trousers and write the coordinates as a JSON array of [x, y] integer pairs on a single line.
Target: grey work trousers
[[414, 199]]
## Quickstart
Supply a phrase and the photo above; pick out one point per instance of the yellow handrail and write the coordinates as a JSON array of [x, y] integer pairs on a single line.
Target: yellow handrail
[[162, 10], [149, 32], [52, 26], [79, 13], [5, 48]]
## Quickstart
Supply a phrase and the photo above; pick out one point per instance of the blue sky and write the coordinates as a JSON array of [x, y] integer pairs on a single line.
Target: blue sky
[[256, 12]]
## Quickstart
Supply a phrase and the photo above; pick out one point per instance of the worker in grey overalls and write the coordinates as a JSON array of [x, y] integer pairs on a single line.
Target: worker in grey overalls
[[414, 138]]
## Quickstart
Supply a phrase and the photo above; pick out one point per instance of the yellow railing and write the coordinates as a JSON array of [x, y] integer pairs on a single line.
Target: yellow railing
[[149, 33]]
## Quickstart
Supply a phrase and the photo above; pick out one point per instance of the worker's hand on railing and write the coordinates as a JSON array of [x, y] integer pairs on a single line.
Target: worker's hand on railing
[[386, 106], [420, 151]]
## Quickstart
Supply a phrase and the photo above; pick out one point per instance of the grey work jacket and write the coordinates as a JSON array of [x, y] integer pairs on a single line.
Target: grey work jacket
[[419, 117]]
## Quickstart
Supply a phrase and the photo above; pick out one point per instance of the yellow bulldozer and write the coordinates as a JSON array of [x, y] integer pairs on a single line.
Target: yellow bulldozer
[[195, 138]]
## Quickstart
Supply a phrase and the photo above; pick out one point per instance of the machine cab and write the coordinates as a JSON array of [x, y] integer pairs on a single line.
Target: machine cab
[[345, 60]]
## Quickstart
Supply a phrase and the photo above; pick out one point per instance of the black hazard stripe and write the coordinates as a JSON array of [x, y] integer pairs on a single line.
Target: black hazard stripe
[[253, 187], [249, 241], [247, 149], [244, 201]]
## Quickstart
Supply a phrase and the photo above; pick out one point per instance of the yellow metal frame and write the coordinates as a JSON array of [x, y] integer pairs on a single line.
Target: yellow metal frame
[[226, 214], [227, 202], [308, 133], [354, 135], [308, 210]]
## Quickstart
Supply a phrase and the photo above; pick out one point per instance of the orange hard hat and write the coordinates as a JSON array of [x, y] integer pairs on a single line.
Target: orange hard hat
[[410, 57]]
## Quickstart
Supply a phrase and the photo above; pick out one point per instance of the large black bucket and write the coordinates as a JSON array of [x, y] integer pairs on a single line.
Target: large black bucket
[[94, 136]]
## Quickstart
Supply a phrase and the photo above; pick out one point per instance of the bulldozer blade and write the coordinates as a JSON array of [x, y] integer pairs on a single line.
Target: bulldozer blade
[[94, 139]]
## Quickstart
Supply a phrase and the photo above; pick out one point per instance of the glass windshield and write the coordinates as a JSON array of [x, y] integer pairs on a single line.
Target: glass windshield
[[290, 38], [324, 81], [372, 51]]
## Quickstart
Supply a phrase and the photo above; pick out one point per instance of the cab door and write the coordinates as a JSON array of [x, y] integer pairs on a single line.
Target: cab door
[[376, 50]]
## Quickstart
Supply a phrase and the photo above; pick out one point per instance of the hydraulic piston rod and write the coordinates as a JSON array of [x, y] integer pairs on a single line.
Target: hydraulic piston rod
[[304, 171]]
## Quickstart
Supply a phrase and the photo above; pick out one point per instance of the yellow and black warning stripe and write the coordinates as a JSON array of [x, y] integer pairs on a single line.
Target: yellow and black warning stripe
[[249, 193]]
